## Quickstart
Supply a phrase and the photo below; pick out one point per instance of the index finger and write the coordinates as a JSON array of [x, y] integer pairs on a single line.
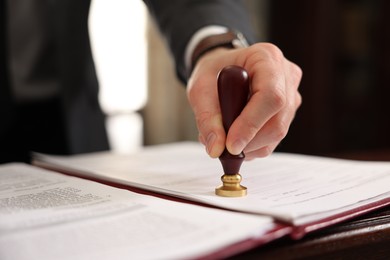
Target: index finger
[[268, 97]]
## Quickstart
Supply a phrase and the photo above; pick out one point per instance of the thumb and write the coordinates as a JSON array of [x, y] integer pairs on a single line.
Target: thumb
[[203, 98], [211, 134]]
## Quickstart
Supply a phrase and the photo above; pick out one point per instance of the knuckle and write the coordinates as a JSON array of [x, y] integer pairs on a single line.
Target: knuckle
[[296, 73], [252, 127], [276, 98], [201, 119], [298, 100], [263, 52], [280, 130], [267, 151], [272, 51]]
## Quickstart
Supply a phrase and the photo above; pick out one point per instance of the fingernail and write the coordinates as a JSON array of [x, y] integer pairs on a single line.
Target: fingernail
[[237, 147], [210, 142]]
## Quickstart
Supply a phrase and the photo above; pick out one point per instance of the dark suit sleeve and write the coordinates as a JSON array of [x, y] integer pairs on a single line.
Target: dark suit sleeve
[[178, 20]]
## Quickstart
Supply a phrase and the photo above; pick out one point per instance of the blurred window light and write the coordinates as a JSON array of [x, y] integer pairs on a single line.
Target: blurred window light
[[118, 42]]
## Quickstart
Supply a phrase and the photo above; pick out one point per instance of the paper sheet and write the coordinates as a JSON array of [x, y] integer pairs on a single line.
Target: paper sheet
[[294, 188], [46, 215]]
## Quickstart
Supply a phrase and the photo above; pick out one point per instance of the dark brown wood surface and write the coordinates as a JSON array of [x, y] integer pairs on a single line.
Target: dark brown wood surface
[[367, 237]]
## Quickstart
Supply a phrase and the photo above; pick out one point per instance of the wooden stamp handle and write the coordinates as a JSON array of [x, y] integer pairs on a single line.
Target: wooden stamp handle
[[233, 92]]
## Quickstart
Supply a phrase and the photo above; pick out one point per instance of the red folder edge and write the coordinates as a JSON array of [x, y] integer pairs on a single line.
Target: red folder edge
[[299, 231]]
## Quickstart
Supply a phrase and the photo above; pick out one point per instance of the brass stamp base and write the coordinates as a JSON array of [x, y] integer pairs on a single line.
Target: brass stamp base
[[231, 186]]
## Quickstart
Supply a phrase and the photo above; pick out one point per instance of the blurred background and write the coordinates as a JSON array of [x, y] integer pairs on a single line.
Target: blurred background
[[341, 45], [343, 48]]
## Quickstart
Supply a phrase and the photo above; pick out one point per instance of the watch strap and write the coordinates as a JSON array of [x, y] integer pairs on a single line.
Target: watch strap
[[230, 39]]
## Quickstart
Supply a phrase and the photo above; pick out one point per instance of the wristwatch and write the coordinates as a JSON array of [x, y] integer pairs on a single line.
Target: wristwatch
[[230, 39]]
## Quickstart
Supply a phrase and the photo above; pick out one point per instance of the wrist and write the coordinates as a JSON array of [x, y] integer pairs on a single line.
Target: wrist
[[228, 40]]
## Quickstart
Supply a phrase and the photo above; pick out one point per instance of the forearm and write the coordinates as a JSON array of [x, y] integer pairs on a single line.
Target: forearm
[[179, 20]]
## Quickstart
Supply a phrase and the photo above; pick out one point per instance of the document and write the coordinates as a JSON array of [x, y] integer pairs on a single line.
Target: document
[[295, 189], [47, 215]]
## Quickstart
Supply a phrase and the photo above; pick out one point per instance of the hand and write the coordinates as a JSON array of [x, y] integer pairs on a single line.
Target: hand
[[272, 105]]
